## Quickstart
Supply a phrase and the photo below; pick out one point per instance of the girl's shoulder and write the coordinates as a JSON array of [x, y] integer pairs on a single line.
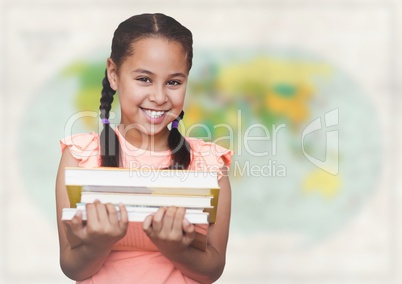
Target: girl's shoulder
[[209, 154], [205, 155], [84, 147]]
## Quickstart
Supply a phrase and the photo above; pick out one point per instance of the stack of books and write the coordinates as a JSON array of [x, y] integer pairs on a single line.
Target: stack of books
[[143, 192]]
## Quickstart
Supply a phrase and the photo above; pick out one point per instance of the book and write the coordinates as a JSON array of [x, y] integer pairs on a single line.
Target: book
[[141, 208], [147, 199], [155, 183], [143, 192], [141, 178]]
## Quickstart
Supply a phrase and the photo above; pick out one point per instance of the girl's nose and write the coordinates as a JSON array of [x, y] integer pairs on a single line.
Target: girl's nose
[[158, 96]]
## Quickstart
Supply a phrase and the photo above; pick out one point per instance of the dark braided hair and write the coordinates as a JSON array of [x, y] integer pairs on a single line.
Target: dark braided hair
[[126, 34], [180, 149], [110, 146]]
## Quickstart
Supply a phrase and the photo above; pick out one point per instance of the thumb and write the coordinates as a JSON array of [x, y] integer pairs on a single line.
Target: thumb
[[76, 222], [189, 231], [147, 225], [74, 230]]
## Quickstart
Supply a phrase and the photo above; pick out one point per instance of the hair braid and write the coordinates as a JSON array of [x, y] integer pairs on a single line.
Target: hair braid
[[181, 156], [110, 146]]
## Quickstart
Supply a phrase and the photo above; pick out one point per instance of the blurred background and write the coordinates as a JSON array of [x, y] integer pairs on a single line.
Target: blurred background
[[306, 93]]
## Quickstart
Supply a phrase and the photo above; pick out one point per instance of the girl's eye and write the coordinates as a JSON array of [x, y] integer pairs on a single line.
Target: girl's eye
[[144, 79], [173, 83]]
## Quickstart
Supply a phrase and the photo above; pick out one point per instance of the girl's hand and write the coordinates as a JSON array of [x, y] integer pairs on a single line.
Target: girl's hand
[[169, 230], [102, 228]]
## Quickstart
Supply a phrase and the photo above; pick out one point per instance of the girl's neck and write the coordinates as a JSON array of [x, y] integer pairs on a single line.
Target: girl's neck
[[156, 143]]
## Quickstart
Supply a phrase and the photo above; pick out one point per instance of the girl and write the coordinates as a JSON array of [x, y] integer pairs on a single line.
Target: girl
[[148, 67]]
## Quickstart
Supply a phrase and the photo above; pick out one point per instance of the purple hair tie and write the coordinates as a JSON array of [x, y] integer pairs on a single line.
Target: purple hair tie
[[175, 124], [105, 121]]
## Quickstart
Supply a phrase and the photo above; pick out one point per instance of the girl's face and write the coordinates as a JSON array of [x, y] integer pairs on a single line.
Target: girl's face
[[151, 84]]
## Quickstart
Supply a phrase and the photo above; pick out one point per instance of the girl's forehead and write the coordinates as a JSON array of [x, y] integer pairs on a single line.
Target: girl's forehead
[[156, 52], [155, 41]]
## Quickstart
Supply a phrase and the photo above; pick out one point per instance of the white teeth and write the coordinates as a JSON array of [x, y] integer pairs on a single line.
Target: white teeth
[[153, 113]]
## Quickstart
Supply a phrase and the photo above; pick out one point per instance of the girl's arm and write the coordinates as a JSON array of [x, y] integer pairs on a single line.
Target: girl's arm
[[84, 248], [166, 228]]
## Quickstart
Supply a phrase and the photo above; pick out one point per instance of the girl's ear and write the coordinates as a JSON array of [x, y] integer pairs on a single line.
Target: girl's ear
[[112, 73]]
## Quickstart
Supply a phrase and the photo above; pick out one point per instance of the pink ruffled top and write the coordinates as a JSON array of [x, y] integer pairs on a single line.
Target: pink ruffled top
[[143, 266]]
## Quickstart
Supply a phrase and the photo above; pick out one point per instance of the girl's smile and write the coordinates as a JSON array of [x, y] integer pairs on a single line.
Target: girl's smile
[[154, 116]]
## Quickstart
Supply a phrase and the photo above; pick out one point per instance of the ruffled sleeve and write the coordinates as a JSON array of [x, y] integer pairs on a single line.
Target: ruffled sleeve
[[84, 148], [207, 156]]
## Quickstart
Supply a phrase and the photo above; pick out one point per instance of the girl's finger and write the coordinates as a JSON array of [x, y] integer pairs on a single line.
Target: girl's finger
[[92, 215], [168, 220], [101, 211], [189, 231], [147, 225], [158, 219], [76, 222], [123, 223], [178, 219], [75, 230], [188, 228], [112, 214]]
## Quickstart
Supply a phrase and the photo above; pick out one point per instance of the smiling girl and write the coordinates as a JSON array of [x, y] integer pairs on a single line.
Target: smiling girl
[[149, 66]]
